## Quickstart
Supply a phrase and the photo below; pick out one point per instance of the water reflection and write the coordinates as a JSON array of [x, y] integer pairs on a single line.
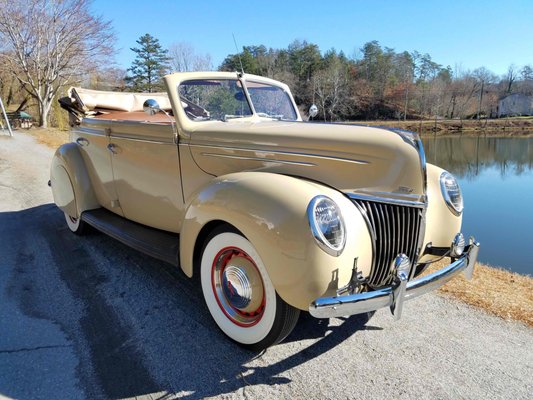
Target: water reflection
[[496, 177], [467, 156]]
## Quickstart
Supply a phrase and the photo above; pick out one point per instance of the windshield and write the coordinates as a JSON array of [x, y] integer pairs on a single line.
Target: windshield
[[223, 99], [206, 99], [270, 101]]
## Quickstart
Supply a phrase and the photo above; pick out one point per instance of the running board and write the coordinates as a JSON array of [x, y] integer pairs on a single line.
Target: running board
[[153, 242]]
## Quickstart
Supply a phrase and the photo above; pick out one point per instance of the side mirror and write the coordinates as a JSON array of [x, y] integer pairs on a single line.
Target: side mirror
[[151, 107], [313, 111]]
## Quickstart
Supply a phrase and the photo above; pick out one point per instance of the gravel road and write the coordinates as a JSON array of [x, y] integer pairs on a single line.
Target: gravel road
[[86, 317]]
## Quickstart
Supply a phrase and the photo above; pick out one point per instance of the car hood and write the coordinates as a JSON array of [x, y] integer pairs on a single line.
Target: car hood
[[350, 158]]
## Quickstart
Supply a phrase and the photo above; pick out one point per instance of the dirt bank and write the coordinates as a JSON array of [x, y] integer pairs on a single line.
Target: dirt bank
[[503, 126]]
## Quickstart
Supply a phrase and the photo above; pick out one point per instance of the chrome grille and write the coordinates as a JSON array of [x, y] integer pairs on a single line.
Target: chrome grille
[[395, 229]]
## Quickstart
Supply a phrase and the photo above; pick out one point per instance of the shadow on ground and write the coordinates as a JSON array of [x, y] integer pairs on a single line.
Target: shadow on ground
[[141, 326]]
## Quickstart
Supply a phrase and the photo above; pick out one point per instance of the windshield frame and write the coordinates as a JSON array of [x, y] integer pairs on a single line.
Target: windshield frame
[[243, 80], [287, 93]]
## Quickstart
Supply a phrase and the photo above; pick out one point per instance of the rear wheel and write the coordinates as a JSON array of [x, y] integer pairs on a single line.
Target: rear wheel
[[76, 225], [239, 293]]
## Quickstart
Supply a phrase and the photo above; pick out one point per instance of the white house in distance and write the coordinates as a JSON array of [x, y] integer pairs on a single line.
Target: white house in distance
[[515, 104]]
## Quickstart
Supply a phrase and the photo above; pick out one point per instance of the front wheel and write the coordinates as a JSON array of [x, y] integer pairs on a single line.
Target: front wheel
[[239, 293]]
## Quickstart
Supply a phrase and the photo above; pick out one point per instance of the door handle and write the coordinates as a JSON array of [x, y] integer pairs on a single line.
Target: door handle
[[82, 141], [112, 148]]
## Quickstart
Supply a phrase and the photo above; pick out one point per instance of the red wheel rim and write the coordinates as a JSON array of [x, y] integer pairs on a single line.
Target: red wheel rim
[[238, 287]]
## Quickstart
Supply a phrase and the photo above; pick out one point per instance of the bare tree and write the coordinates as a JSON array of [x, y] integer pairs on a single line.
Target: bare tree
[[9, 86], [526, 85], [485, 75], [527, 73], [48, 44], [183, 58], [106, 79], [330, 87], [510, 77]]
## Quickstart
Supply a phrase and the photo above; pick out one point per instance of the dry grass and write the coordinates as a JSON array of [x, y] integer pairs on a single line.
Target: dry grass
[[500, 292], [50, 137]]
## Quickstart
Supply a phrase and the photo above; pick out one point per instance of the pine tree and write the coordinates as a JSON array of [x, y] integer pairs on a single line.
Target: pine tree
[[149, 66]]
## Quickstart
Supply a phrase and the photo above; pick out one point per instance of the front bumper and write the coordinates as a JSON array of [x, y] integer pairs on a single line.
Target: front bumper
[[395, 295]]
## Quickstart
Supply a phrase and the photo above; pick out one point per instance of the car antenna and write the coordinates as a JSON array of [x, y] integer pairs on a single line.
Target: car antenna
[[238, 54]]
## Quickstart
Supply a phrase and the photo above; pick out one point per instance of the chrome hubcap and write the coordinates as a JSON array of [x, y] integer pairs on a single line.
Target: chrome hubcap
[[238, 286]]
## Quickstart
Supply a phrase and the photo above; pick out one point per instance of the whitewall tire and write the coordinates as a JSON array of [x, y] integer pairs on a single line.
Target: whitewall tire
[[239, 293], [76, 225]]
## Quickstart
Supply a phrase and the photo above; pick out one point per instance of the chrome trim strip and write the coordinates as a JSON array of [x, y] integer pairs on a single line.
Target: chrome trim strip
[[269, 160], [391, 195], [289, 153], [95, 121], [423, 163], [338, 306], [386, 200], [90, 131], [141, 140]]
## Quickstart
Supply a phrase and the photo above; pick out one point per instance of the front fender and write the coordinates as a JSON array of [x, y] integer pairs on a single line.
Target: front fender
[[71, 186], [271, 211], [441, 224]]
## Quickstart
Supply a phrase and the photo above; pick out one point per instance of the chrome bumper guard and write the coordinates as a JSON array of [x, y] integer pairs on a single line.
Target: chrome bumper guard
[[395, 295]]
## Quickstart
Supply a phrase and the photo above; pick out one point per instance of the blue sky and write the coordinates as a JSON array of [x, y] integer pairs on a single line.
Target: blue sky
[[468, 34]]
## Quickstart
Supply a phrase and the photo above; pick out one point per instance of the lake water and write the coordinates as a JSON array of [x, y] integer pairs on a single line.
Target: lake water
[[496, 177]]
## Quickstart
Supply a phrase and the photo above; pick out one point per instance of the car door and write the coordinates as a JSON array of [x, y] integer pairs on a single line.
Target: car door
[[147, 174], [93, 142]]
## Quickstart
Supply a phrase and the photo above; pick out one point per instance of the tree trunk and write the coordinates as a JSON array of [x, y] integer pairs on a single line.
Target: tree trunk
[[453, 106], [44, 111]]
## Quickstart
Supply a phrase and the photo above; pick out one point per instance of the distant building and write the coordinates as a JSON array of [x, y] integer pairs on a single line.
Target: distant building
[[515, 104]]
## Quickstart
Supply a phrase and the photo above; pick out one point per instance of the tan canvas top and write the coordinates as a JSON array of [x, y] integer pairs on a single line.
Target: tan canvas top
[[90, 100]]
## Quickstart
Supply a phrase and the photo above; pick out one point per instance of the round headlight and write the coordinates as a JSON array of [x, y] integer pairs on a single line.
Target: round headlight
[[451, 192], [327, 224]]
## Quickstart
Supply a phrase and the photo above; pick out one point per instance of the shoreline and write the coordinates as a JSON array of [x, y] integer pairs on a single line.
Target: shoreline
[[519, 126]]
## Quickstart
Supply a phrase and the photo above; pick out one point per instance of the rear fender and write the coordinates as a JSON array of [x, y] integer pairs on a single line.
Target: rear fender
[[71, 186]]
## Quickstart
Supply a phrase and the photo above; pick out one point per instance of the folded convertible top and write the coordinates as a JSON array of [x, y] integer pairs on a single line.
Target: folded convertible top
[[87, 102]]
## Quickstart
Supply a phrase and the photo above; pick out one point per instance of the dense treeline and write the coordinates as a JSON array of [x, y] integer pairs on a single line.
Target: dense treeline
[[381, 83], [378, 83]]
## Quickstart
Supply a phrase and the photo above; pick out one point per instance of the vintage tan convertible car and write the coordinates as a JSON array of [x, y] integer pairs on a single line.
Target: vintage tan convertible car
[[273, 215]]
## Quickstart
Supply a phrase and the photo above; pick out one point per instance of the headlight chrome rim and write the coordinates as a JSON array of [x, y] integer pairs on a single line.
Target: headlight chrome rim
[[321, 240], [447, 180]]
